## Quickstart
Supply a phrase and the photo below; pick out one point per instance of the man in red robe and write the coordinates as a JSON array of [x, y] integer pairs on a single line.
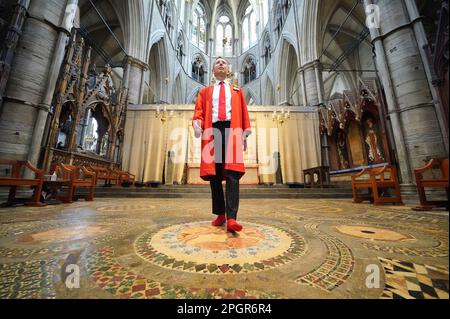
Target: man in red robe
[[221, 119]]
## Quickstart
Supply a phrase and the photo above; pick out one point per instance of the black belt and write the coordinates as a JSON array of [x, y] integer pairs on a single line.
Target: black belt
[[222, 123]]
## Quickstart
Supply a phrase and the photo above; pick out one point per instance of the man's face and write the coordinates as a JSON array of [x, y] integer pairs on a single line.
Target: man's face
[[221, 69]]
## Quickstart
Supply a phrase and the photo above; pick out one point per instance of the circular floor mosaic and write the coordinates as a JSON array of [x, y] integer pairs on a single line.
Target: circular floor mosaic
[[322, 208], [373, 233], [63, 234], [201, 248], [126, 208]]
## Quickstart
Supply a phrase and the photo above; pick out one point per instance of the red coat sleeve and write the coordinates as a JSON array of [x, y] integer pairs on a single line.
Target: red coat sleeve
[[199, 109]]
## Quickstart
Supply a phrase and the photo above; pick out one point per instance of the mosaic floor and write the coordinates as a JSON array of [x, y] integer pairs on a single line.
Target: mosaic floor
[[166, 249]]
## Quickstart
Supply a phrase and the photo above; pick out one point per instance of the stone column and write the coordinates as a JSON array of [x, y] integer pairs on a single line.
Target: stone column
[[313, 83], [410, 104], [32, 72], [11, 39], [36, 145], [301, 75], [422, 41], [212, 52], [136, 79], [300, 72], [319, 82]]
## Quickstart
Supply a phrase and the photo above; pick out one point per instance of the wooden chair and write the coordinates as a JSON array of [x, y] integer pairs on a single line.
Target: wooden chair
[[125, 177], [441, 182], [105, 174], [78, 177], [377, 179], [15, 180]]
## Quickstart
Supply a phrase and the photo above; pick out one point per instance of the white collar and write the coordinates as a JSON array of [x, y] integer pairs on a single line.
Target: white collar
[[226, 81]]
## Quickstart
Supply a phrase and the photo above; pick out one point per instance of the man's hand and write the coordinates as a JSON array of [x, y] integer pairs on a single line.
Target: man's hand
[[198, 129]]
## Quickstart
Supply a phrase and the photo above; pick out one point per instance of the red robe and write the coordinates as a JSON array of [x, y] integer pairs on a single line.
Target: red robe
[[240, 123]]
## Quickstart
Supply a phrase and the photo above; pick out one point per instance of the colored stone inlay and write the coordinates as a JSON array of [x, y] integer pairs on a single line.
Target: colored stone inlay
[[373, 233], [406, 280], [126, 208], [440, 249], [187, 247], [337, 267], [27, 280], [112, 277], [63, 234]]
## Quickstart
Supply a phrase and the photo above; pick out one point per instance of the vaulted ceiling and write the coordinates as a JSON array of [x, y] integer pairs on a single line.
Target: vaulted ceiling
[[340, 25], [112, 46]]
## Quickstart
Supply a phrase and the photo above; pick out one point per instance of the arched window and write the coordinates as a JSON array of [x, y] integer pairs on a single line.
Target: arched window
[[224, 37], [199, 27], [249, 33], [219, 37], [229, 37]]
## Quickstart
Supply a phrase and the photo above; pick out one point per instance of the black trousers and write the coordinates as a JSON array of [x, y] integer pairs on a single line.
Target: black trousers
[[228, 205]]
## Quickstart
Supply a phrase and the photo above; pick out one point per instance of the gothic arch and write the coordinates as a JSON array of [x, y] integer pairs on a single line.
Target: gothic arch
[[178, 90], [193, 96], [309, 30], [219, 50], [206, 5], [269, 98], [337, 83], [291, 39], [154, 38], [251, 97], [135, 29], [215, 11], [289, 81], [208, 17], [158, 75], [98, 111]]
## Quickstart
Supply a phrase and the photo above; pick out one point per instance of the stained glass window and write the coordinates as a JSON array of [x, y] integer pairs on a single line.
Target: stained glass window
[[219, 37], [224, 37], [199, 27], [249, 32]]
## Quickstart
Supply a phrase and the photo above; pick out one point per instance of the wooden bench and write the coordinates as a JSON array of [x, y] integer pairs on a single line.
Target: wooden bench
[[105, 174], [441, 182], [377, 180], [15, 180], [125, 177], [76, 177]]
